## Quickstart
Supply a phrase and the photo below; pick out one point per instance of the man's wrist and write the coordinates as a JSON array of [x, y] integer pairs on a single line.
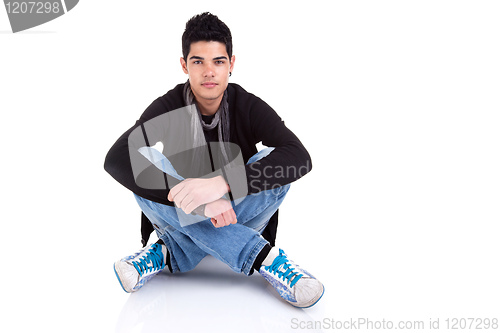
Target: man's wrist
[[224, 185]]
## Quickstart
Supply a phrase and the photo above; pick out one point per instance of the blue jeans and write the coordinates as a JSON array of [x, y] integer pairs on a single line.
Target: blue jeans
[[237, 245]]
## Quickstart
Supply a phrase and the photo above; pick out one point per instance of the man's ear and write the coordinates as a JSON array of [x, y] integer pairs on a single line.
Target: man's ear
[[184, 66], [233, 59]]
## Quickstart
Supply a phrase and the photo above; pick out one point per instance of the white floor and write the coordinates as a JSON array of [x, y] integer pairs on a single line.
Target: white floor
[[210, 298]]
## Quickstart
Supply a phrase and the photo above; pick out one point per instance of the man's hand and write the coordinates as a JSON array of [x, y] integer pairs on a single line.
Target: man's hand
[[221, 213], [191, 193]]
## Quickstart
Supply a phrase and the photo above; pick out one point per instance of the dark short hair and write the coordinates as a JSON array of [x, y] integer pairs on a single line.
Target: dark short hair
[[206, 27]]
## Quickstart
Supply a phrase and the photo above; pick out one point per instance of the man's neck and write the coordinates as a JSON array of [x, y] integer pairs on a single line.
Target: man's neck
[[209, 107]]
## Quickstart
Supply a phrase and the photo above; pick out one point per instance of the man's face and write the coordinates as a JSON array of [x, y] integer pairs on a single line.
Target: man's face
[[208, 66]]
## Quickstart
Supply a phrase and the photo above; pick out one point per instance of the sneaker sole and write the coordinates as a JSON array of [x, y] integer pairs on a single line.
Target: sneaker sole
[[118, 277]]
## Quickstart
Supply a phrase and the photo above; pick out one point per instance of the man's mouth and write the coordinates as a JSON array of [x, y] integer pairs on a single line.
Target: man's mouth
[[209, 84]]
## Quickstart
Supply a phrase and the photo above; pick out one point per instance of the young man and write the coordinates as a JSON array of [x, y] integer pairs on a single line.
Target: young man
[[209, 191]]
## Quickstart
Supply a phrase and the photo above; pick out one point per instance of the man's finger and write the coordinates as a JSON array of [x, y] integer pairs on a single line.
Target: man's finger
[[234, 219], [219, 221], [230, 216], [190, 207], [182, 198], [175, 190], [185, 202]]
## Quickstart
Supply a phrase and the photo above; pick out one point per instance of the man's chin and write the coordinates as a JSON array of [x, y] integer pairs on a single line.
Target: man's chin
[[211, 97]]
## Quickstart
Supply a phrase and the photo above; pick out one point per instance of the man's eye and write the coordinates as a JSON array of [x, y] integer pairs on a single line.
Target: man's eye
[[219, 62], [197, 62]]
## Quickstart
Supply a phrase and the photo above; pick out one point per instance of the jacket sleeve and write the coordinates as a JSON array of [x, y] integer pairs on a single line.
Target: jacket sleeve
[[289, 160], [127, 166]]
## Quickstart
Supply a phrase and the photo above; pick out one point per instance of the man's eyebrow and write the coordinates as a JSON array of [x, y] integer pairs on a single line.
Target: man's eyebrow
[[201, 58]]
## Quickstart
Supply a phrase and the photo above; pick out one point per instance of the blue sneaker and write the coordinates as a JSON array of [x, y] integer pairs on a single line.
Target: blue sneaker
[[135, 270], [294, 284]]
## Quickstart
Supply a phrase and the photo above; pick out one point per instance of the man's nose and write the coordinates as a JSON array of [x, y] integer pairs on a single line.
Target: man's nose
[[209, 70]]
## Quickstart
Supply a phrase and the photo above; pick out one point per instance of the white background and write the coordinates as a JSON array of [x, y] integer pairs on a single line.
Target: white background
[[397, 102]]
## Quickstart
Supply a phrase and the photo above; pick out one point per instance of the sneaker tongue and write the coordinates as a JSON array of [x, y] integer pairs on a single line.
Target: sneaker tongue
[[271, 256]]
